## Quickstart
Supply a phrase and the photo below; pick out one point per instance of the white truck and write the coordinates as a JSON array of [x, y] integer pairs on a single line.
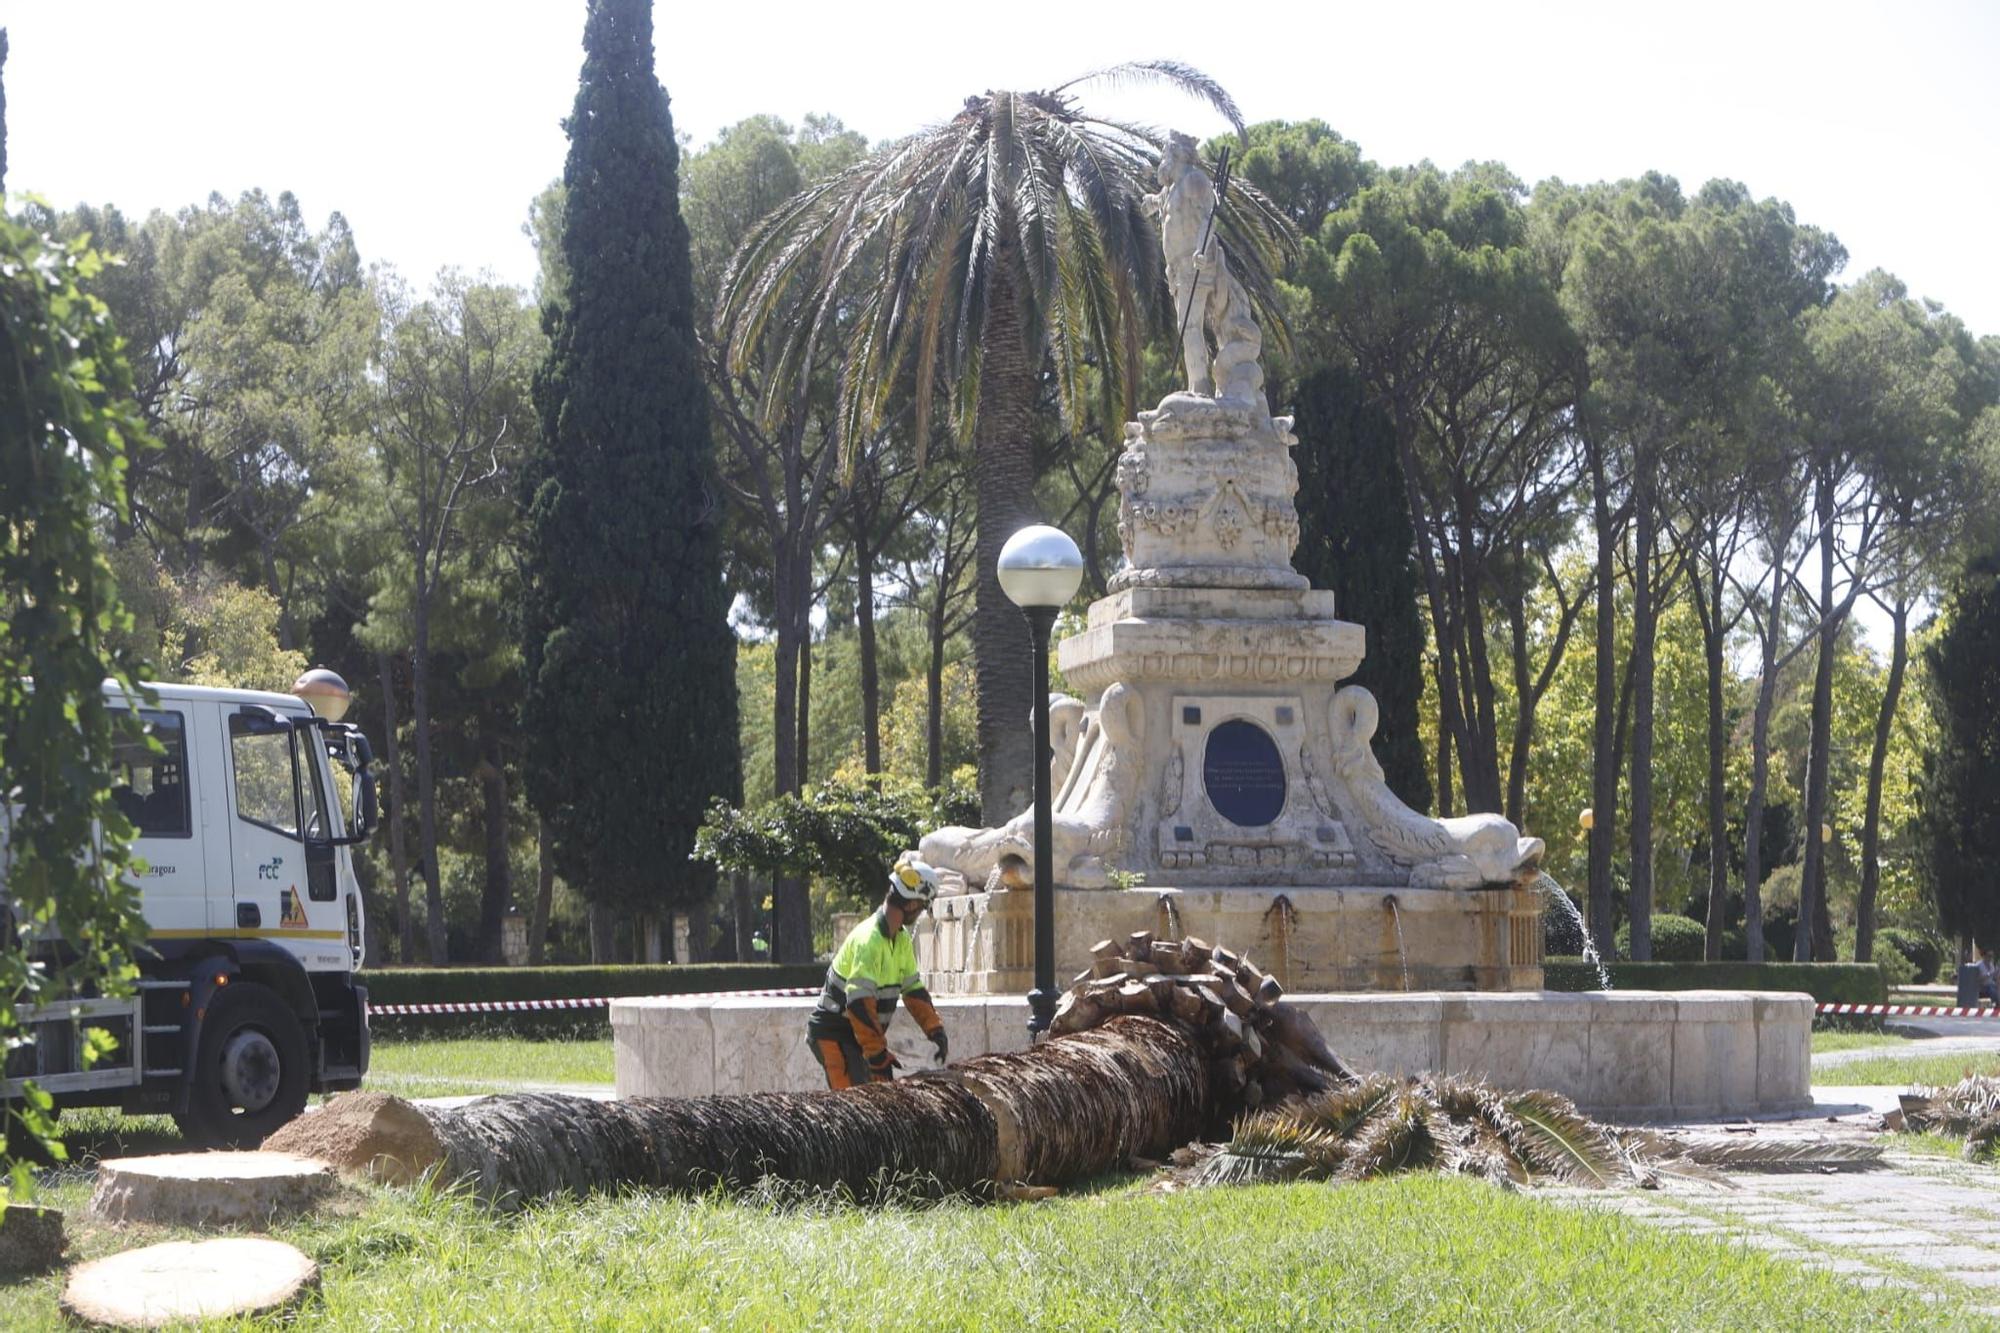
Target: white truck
[[247, 999]]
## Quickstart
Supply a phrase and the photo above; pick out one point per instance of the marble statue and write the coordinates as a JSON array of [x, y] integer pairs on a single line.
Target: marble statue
[[1209, 302], [1211, 743]]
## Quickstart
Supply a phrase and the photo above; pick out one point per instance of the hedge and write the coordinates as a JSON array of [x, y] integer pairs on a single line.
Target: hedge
[[1828, 983], [1676, 939], [452, 985]]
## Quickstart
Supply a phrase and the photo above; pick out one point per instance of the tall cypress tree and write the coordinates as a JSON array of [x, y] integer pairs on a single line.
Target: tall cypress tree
[[630, 715], [1959, 801], [1356, 540]]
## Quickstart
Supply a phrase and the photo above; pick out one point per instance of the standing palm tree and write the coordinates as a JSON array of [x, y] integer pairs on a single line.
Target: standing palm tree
[[969, 259]]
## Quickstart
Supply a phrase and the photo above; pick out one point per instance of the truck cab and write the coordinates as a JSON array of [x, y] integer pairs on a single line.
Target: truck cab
[[247, 806]]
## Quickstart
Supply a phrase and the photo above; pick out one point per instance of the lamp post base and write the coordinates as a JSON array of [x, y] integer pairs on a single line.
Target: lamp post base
[[1041, 1013]]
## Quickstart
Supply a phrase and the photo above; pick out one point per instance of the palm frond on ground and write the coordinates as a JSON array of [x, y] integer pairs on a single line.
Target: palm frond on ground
[[1969, 1109], [1381, 1124]]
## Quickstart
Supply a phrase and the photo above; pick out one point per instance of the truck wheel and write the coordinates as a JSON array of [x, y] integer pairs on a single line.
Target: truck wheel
[[249, 1074]]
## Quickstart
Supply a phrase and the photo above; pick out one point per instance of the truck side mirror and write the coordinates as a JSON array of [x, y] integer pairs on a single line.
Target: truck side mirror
[[365, 812]]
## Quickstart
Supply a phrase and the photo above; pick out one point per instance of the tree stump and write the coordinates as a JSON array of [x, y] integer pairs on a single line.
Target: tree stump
[[183, 1280], [210, 1188], [31, 1239], [380, 1137]]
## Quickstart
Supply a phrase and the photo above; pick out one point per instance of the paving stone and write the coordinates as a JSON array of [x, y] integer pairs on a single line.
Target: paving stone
[[1941, 1256], [1975, 1277]]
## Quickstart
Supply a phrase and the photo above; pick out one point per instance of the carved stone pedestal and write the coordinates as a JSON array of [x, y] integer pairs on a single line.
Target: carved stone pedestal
[[1312, 938]]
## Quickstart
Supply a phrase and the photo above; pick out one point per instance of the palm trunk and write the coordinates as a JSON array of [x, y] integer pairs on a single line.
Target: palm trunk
[[497, 889], [1072, 1107], [1003, 475], [399, 859], [871, 682], [1871, 825], [805, 708], [934, 702], [545, 890]]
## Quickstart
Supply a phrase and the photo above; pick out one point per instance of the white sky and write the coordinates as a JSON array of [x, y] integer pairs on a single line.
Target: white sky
[[431, 123]]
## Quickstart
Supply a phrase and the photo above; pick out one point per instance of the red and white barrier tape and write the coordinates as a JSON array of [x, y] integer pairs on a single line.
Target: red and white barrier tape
[[594, 1002], [1917, 1010]]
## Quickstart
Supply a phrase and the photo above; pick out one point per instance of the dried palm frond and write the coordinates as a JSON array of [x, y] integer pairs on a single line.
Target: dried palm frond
[[1739, 1154], [1555, 1139], [1406, 1134], [1483, 1153], [1340, 1111], [1958, 1109]]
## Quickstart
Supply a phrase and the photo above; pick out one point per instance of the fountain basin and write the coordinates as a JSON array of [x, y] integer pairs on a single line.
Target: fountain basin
[[1622, 1055], [1312, 938]]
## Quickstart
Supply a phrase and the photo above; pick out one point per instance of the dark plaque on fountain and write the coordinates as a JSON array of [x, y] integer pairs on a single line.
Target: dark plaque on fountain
[[1244, 774]]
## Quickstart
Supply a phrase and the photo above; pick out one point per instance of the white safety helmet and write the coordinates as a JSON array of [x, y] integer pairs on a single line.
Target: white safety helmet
[[913, 881]]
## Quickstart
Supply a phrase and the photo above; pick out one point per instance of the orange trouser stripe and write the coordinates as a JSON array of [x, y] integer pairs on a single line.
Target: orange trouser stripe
[[835, 1061]]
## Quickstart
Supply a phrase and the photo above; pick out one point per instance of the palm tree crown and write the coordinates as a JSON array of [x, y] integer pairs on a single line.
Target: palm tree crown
[[1013, 237]]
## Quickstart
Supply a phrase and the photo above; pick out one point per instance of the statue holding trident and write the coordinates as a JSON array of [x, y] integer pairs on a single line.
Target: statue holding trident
[[1208, 300]]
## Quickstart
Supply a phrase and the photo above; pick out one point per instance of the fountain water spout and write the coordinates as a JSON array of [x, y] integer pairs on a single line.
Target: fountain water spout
[[1402, 957], [1549, 889]]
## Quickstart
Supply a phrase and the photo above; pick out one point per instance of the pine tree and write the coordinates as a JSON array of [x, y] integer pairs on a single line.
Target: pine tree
[[1355, 539], [1959, 801], [630, 715]]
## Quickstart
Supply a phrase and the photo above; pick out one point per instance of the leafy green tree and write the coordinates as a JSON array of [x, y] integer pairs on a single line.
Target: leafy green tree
[[67, 429], [1425, 281], [957, 261], [1959, 802], [449, 427], [630, 715], [1355, 540]]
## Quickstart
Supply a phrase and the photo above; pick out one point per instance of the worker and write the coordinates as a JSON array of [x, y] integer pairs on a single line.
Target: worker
[[875, 966]]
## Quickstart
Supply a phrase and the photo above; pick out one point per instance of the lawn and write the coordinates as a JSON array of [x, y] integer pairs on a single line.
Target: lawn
[[1415, 1251], [1908, 1070], [1828, 1040], [454, 1066]]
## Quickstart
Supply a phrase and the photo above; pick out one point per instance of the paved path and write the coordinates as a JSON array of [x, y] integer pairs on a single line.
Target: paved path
[[1927, 1223], [1911, 1050]]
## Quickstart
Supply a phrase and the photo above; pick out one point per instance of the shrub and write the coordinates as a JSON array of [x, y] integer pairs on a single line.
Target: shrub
[[1828, 983], [1922, 951], [1676, 939]]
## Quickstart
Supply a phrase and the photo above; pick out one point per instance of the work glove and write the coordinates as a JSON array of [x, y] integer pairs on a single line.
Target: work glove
[[943, 1044], [884, 1067]]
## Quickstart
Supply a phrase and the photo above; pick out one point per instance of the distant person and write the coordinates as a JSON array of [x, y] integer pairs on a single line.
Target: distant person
[[1989, 979], [760, 948], [875, 966]]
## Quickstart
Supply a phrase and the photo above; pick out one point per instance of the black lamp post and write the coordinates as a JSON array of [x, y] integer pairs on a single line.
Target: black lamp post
[[1039, 570]]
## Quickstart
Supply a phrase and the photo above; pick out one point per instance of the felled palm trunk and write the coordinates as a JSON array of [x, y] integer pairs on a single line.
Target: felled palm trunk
[[1157, 1045]]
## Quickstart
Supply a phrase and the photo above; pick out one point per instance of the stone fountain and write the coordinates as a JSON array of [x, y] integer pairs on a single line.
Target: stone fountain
[[1216, 777]]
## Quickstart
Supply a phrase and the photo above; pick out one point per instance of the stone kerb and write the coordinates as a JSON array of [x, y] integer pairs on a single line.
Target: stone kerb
[[1631, 1055]]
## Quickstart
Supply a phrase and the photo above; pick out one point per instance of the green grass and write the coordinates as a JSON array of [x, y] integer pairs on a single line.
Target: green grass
[[1910, 1070], [1415, 1251], [1823, 1041], [449, 1066]]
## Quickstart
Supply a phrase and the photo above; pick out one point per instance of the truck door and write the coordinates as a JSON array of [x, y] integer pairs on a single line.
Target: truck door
[[268, 808], [156, 792]]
